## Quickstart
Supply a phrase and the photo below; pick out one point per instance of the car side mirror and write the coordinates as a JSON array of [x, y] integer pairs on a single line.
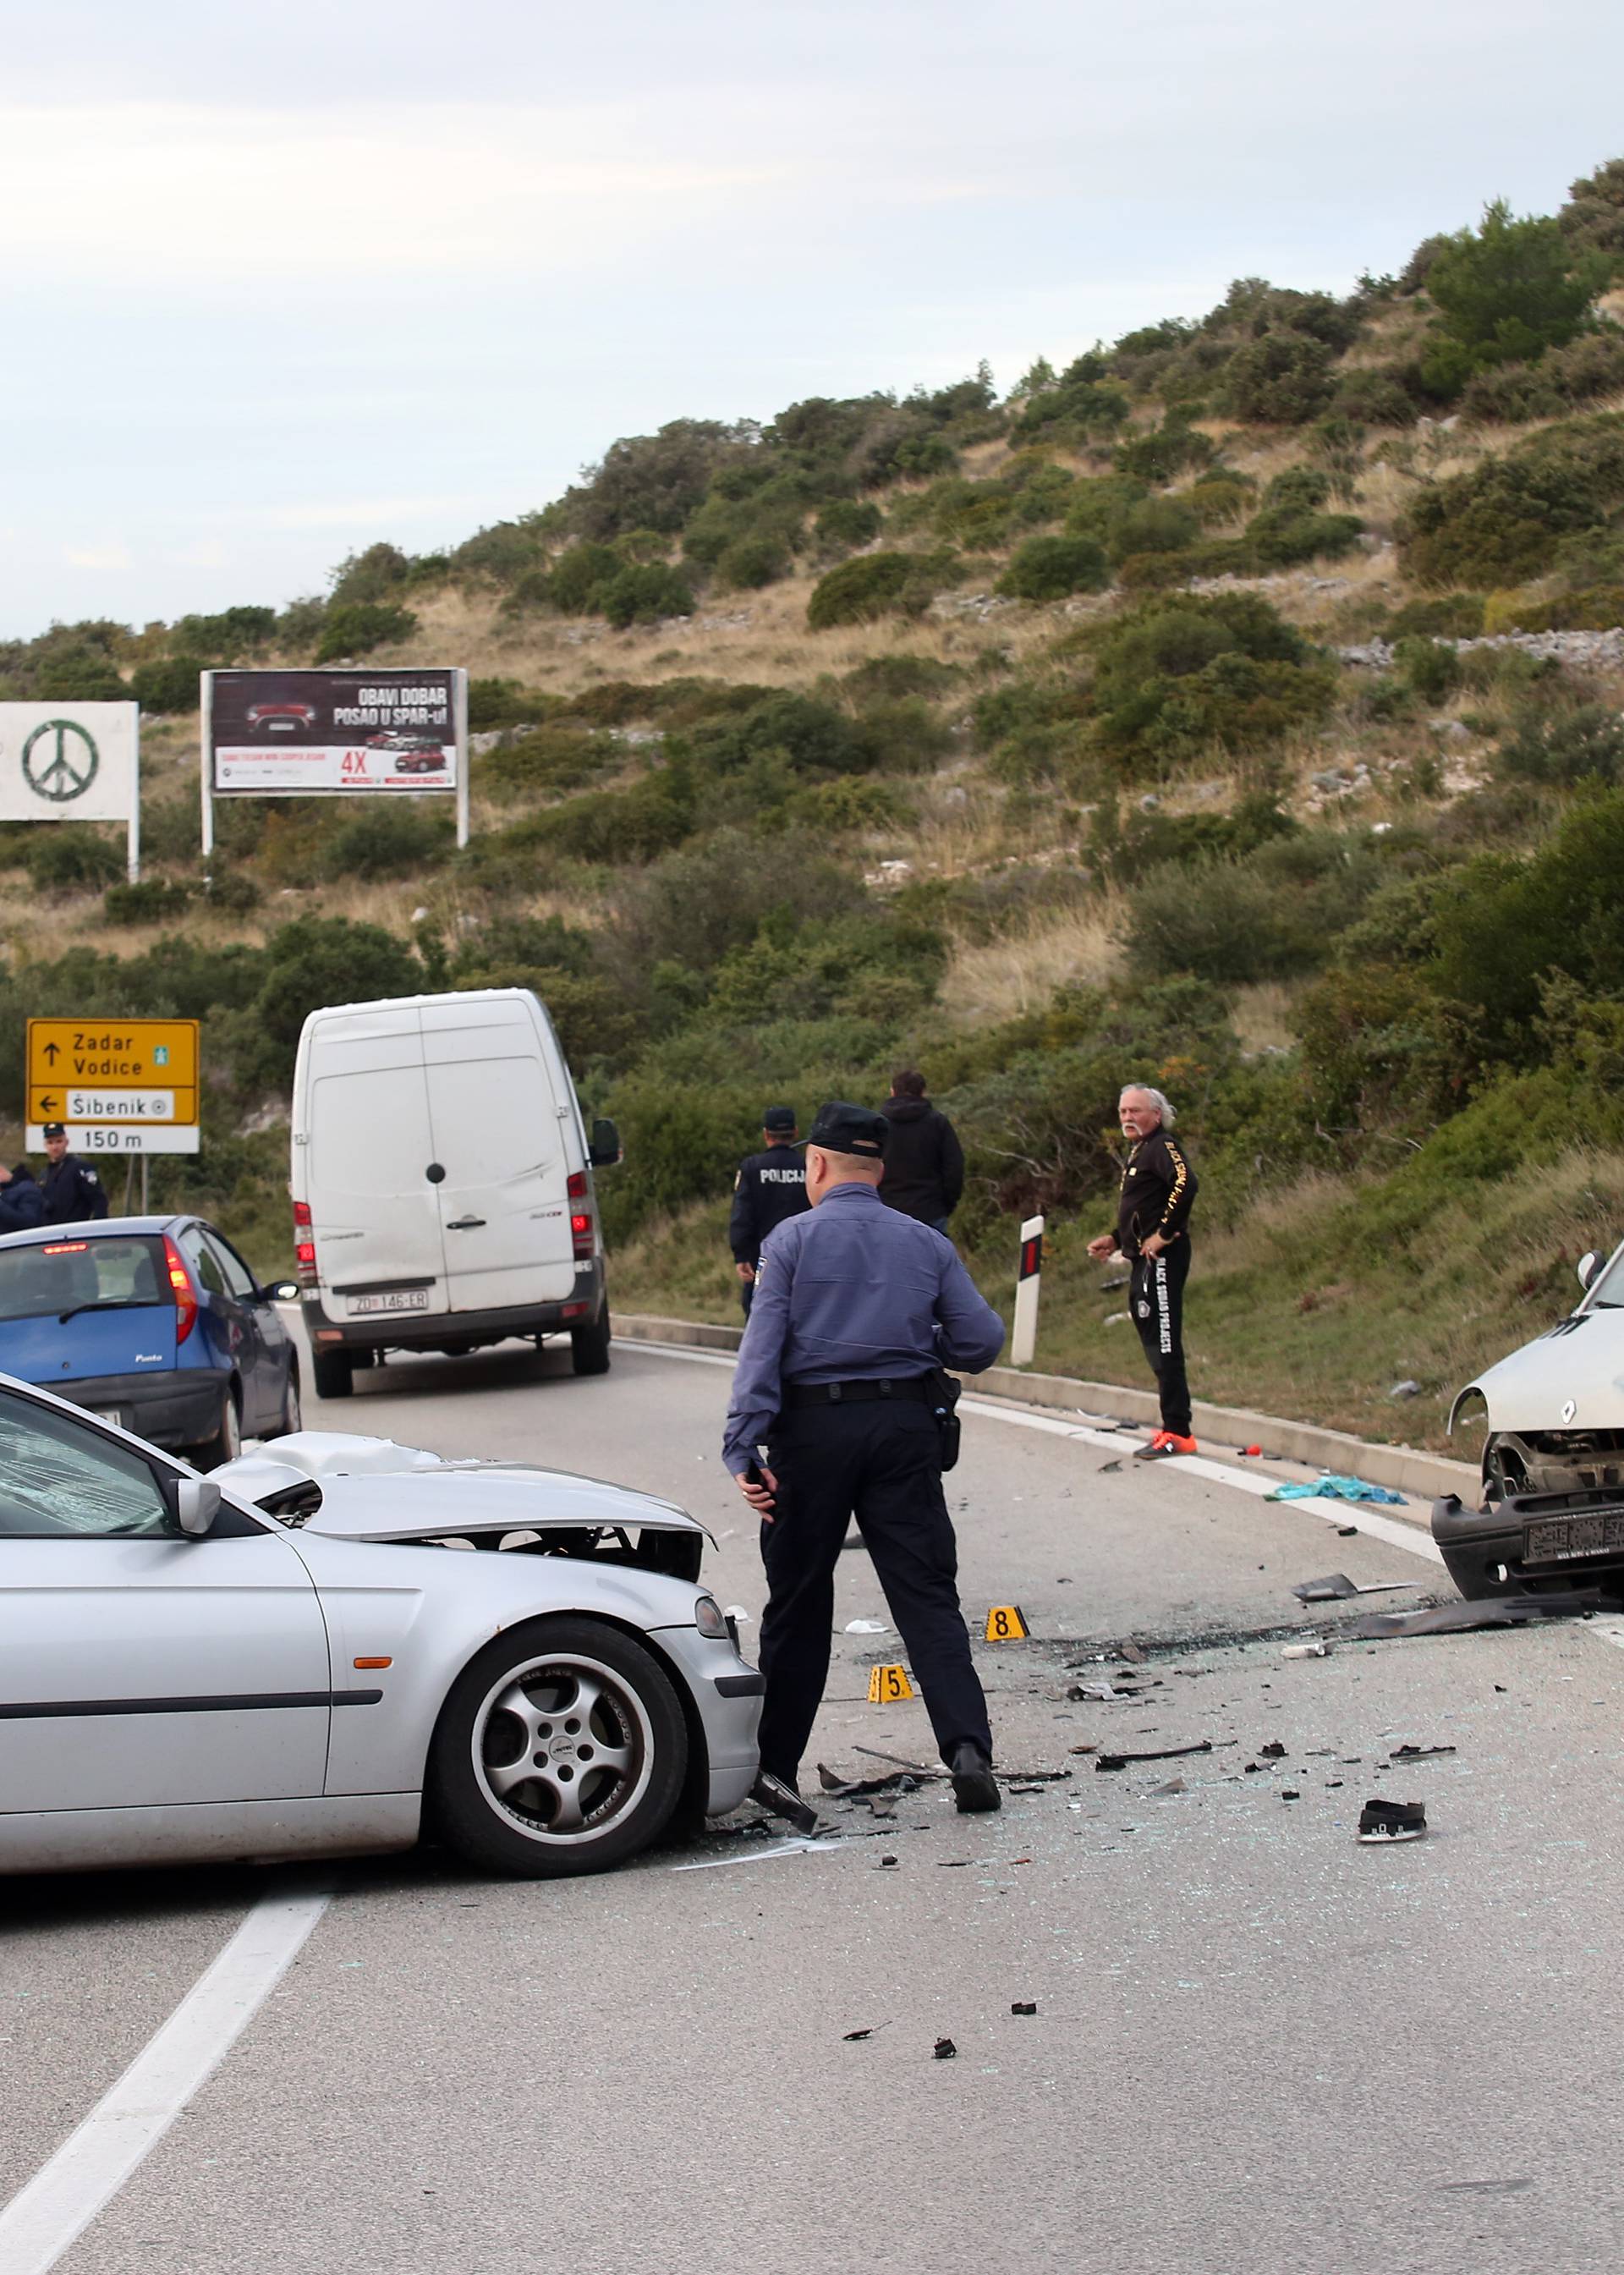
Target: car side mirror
[[197, 1504], [605, 1149], [1590, 1265], [282, 1292]]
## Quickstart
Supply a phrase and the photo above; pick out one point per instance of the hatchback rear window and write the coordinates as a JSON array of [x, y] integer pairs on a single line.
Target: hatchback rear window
[[59, 1276]]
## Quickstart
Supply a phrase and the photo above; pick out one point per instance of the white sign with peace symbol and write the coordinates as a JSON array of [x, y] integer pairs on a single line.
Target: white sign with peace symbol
[[68, 762]]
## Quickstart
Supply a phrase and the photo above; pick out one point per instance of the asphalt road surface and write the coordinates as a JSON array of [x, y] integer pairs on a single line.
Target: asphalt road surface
[[1258, 2045]]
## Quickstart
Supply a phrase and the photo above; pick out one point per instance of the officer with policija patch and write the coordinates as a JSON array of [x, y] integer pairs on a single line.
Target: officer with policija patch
[[768, 1187], [841, 1408], [1152, 1234], [74, 1193]]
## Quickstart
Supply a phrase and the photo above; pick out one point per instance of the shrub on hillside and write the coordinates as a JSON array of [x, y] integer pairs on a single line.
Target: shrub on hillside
[[1450, 615], [653, 482], [845, 523], [694, 906], [1079, 406], [317, 960], [552, 759], [377, 573], [79, 675], [643, 594], [577, 577], [1166, 452], [859, 590], [1049, 567], [1031, 731], [1155, 525], [1380, 395], [1382, 1051], [1564, 748], [749, 563], [1504, 293], [606, 826], [71, 855], [393, 837], [504, 703], [225, 637], [813, 737], [892, 679], [1503, 522], [1219, 498], [168, 685], [1593, 218], [358, 627], [1282, 380], [154, 900], [1268, 915], [1178, 676]]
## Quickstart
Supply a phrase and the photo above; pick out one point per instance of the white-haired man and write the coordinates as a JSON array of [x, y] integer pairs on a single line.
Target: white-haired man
[[1152, 1234]]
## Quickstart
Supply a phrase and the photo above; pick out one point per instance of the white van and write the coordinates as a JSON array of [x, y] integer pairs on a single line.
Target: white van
[[441, 1183]]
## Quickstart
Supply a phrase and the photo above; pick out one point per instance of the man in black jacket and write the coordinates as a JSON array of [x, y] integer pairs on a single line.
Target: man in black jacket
[[1153, 1221], [769, 1187], [22, 1203], [925, 1162], [74, 1193]]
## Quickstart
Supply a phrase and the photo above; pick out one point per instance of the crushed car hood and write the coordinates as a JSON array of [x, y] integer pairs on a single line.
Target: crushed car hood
[[1571, 1378], [373, 1489]]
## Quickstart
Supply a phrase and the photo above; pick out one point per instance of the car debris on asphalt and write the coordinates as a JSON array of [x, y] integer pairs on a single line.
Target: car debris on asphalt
[[1164, 1754], [945, 2050], [1336, 1586], [1490, 1611], [1391, 1820], [1409, 1753]]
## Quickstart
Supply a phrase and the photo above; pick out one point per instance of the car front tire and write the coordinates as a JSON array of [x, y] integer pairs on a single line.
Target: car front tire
[[561, 1749]]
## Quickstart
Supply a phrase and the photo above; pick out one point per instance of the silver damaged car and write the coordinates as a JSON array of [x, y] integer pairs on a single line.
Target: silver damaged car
[[334, 1642]]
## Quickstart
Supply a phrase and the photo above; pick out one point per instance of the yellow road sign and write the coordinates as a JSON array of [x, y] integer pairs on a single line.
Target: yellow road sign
[[1006, 1623], [146, 1058], [888, 1684]]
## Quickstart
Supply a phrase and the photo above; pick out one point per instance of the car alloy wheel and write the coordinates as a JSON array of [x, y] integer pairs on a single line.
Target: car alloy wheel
[[561, 1747], [564, 1747]]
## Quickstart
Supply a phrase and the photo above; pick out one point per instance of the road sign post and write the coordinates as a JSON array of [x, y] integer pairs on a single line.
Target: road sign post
[[123, 1086], [1023, 1336]]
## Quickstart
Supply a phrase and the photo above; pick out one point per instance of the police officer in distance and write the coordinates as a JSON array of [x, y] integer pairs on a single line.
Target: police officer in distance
[[858, 1308], [769, 1187], [74, 1193]]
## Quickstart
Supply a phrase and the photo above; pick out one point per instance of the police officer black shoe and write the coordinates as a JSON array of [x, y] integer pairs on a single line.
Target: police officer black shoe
[[974, 1786], [782, 1800]]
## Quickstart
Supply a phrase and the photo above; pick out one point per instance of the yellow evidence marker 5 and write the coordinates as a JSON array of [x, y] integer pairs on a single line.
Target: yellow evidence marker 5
[[888, 1684]]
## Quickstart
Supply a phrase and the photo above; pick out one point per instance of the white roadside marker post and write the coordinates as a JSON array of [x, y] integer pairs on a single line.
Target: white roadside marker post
[[1023, 1340]]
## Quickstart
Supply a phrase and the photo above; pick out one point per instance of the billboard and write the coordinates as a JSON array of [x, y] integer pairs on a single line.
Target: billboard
[[69, 761], [294, 733]]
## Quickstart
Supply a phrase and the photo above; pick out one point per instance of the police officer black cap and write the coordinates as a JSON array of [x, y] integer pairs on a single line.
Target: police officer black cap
[[779, 1121], [54, 1129], [842, 1127]]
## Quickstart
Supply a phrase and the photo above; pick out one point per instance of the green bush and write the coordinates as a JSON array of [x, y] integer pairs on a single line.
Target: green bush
[[1219, 498], [859, 590], [1179, 675], [1282, 380], [1564, 748], [1504, 293], [845, 523], [154, 900], [79, 675], [1078, 405], [642, 593], [1049, 567], [1168, 450], [378, 573], [169, 684], [577, 579], [319, 960], [1428, 668], [653, 482], [1503, 523], [893, 679], [1280, 536], [1269, 915], [1450, 615], [232, 892], [224, 637], [494, 703], [392, 837], [812, 738], [71, 855], [1155, 525], [749, 563], [1382, 1051], [358, 627], [1380, 395], [551, 759], [1593, 218]]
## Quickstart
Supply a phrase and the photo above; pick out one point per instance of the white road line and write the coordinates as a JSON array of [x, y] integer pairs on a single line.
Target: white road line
[[1393, 1531], [93, 2163]]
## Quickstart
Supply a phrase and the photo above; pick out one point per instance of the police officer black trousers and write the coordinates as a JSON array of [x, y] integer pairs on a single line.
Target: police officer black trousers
[[1156, 1297], [880, 1462]]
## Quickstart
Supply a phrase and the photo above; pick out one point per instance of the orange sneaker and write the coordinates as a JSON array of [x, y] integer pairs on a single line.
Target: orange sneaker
[[1164, 1443]]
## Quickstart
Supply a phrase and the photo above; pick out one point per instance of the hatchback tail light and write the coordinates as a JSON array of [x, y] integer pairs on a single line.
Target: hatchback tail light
[[581, 1228], [181, 1290], [304, 1246]]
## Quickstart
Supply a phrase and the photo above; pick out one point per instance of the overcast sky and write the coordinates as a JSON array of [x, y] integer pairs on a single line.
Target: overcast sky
[[285, 280]]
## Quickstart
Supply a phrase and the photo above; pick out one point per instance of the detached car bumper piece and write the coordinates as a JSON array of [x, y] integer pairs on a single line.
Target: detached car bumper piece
[[1528, 1543]]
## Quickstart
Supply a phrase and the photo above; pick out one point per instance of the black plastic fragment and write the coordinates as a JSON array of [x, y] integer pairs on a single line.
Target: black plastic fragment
[[1407, 1753], [945, 2050], [1491, 1612], [1022, 2006], [1163, 1754]]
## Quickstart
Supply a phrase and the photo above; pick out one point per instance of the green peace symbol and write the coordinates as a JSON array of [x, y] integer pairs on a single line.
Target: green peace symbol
[[60, 778]]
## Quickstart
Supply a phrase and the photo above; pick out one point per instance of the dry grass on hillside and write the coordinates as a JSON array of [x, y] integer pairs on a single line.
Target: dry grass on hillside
[[997, 980]]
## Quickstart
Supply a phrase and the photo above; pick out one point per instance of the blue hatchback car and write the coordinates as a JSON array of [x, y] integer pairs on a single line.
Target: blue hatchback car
[[154, 1323]]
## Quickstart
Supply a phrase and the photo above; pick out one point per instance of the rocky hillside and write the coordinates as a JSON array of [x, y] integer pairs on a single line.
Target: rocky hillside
[[1238, 709]]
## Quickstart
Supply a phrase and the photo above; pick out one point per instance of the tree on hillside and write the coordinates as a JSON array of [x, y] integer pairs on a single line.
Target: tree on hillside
[[1593, 218], [1504, 293], [654, 482]]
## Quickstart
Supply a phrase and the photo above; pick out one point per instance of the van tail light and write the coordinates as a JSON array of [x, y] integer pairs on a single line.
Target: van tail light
[[304, 1246], [582, 1232], [181, 1290]]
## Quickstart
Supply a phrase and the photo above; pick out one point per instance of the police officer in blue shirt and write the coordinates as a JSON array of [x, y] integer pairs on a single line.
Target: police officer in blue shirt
[[857, 1309]]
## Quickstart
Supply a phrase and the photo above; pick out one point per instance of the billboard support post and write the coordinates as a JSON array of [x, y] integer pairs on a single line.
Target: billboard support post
[[206, 761], [132, 851], [459, 713]]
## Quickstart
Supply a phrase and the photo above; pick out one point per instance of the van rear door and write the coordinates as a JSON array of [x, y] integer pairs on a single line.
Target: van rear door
[[374, 1216], [504, 1212]]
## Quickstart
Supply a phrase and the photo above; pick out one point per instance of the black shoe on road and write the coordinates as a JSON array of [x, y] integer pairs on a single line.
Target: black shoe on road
[[974, 1786]]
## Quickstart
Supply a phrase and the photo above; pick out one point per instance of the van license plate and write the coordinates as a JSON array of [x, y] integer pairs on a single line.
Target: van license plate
[[393, 1299]]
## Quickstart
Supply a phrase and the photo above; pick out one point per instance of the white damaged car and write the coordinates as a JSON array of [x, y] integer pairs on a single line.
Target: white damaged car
[[1552, 1512], [335, 1642]]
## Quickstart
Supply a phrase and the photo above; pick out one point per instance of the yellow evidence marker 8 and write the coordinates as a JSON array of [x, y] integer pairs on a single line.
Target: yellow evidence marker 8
[[1006, 1623], [888, 1684]]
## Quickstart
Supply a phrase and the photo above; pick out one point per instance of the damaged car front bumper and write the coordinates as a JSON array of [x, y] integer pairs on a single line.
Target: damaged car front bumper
[[1526, 1543]]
